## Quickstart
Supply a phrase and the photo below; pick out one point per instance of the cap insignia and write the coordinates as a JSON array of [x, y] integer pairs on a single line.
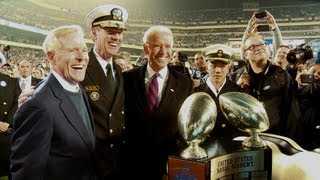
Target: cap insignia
[[219, 53], [116, 14]]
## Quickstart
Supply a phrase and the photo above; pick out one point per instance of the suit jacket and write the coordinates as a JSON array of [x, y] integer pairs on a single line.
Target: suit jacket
[[152, 136], [222, 128], [50, 139], [9, 92], [108, 114]]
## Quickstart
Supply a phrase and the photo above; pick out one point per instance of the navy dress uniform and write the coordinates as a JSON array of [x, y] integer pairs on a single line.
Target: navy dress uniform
[[107, 106], [221, 54], [9, 92]]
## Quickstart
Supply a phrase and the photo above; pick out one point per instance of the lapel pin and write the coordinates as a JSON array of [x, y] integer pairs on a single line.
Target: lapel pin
[[171, 90]]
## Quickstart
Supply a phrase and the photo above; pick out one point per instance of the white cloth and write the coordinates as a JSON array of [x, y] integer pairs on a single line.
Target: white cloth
[[213, 89], [65, 84]]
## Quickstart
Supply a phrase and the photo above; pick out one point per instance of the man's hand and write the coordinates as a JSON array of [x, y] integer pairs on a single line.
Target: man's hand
[[196, 82], [271, 21], [3, 127], [244, 80], [24, 95]]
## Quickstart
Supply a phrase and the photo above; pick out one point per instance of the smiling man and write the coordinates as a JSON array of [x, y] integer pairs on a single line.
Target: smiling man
[[154, 94], [53, 131], [103, 84]]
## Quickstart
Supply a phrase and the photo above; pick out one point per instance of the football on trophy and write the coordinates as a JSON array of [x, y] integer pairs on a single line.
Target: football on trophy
[[196, 118], [247, 114]]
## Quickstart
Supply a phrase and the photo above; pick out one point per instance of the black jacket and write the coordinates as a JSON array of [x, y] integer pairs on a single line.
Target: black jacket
[[274, 88], [152, 136]]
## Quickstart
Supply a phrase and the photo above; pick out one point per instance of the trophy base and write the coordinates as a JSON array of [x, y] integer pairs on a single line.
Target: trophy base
[[237, 162], [194, 152], [253, 142]]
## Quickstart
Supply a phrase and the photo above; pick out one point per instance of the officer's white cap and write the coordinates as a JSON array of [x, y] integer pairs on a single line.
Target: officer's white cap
[[110, 15]]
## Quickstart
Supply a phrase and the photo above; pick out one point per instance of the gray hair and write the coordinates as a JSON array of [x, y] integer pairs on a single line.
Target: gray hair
[[156, 29], [52, 43]]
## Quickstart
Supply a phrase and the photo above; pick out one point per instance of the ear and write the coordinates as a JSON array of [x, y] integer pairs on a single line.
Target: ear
[[94, 34], [146, 48], [245, 55], [50, 55]]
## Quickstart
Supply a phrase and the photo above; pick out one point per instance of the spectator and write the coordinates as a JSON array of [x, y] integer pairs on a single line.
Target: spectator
[[271, 85], [9, 92]]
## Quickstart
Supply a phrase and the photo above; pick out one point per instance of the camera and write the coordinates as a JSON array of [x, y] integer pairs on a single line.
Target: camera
[[261, 28], [261, 14], [307, 78], [182, 57], [6, 48], [300, 54]]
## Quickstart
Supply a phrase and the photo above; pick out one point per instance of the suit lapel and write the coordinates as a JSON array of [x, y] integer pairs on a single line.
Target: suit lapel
[[69, 110], [141, 88], [169, 91]]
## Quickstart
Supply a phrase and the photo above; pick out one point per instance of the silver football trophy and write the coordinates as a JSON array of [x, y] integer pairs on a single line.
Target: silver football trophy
[[196, 119], [247, 114]]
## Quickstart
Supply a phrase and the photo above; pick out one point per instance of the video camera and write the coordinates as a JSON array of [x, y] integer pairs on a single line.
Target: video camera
[[182, 57], [6, 48], [301, 54]]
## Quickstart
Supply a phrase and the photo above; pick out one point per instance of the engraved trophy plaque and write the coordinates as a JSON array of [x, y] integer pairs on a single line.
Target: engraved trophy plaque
[[247, 114], [196, 119], [222, 157]]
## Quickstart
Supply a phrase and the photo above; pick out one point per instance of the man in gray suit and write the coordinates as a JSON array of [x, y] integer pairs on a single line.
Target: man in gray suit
[[53, 131]]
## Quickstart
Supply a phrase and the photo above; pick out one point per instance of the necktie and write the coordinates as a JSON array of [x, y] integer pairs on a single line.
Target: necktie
[[153, 92], [110, 80], [23, 84]]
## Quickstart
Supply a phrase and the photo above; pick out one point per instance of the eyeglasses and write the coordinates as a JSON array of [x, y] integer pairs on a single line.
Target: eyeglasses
[[255, 46]]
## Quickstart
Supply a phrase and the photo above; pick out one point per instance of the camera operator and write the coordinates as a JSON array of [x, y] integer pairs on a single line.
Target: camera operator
[[180, 63], [298, 59], [280, 58], [309, 97]]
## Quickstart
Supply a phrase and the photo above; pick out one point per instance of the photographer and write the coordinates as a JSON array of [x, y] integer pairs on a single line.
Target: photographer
[[271, 85], [271, 26], [180, 63], [309, 97], [298, 59]]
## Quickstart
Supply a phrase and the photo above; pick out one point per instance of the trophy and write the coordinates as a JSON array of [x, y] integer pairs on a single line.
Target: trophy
[[247, 114], [196, 119]]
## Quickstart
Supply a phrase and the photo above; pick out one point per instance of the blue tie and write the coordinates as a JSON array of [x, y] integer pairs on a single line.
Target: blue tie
[[153, 92]]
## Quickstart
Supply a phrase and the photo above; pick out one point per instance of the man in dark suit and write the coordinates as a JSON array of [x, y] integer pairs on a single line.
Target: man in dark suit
[[9, 92], [53, 134], [26, 80], [219, 66], [151, 124], [104, 86]]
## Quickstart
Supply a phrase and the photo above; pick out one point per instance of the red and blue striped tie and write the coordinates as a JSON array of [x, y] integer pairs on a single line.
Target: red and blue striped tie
[[153, 92]]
